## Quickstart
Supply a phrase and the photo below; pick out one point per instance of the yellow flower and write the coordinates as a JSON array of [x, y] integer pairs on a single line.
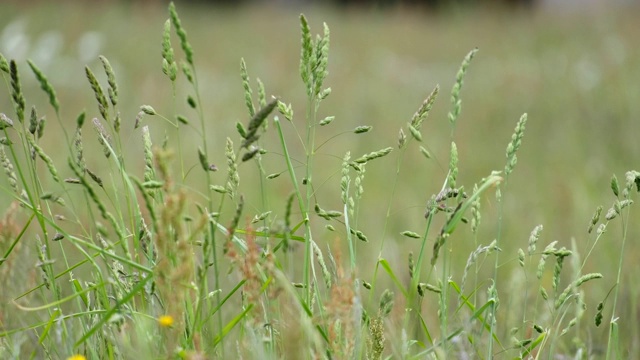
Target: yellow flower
[[164, 320], [76, 357]]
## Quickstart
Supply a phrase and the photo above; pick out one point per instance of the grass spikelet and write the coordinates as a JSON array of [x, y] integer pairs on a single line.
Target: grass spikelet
[[305, 56], [183, 120], [262, 95], [236, 218], [574, 285], [45, 85], [319, 69], [521, 257], [103, 106], [117, 122], [326, 275], [285, 110], [253, 151], [422, 287], [80, 119], [359, 234], [287, 220], [79, 149], [425, 152], [147, 109], [411, 234], [324, 93], [373, 155], [599, 316], [475, 212], [453, 166], [256, 121], [543, 258], [440, 241], [423, 111], [386, 302], [4, 65], [415, 133], [103, 137], [169, 66], [149, 173], [16, 91], [514, 145], [188, 73], [615, 187], [241, 130], [543, 293], [202, 158], [594, 219], [345, 179], [5, 122], [33, 121], [95, 178], [41, 123], [359, 189], [192, 102], [533, 239], [560, 255], [376, 339], [613, 212], [8, 170], [248, 101], [233, 178], [632, 178], [111, 80], [43, 263], [402, 139], [258, 218], [182, 34], [47, 160], [457, 88], [362, 129], [327, 120], [219, 189]]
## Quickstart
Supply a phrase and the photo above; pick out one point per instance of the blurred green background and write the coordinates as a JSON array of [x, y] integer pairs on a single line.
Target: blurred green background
[[574, 69]]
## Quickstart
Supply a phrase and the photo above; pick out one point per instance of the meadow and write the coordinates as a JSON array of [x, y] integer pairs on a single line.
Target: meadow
[[138, 230]]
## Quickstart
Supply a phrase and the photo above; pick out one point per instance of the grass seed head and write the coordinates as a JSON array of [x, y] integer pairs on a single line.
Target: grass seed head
[[8, 170], [4, 65], [103, 106], [111, 80], [423, 111], [45, 85], [514, 145], [5, 122], [16, 91], [182, 34]]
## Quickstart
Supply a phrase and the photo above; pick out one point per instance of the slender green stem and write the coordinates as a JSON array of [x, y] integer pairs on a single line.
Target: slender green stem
[[611, 346]]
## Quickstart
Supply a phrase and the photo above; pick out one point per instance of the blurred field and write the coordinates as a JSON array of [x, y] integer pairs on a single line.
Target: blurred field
[[575, 74]]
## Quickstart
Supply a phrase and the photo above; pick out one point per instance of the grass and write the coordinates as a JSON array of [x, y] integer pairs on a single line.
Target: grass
[[319, 244]]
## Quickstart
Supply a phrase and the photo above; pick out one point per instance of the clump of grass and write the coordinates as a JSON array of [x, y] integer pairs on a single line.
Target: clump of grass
[[157, 267]]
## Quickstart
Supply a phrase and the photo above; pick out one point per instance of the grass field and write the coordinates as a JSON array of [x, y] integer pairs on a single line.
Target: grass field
[[578, 85]]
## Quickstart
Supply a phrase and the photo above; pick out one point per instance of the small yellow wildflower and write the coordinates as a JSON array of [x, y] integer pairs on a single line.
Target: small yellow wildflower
[[76, 357], [165, 321]]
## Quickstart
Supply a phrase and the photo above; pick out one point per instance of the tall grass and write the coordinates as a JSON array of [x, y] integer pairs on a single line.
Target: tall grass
[[167, 254]]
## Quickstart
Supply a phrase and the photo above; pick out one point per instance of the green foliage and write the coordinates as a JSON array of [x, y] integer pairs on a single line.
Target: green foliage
[[154, 262]]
